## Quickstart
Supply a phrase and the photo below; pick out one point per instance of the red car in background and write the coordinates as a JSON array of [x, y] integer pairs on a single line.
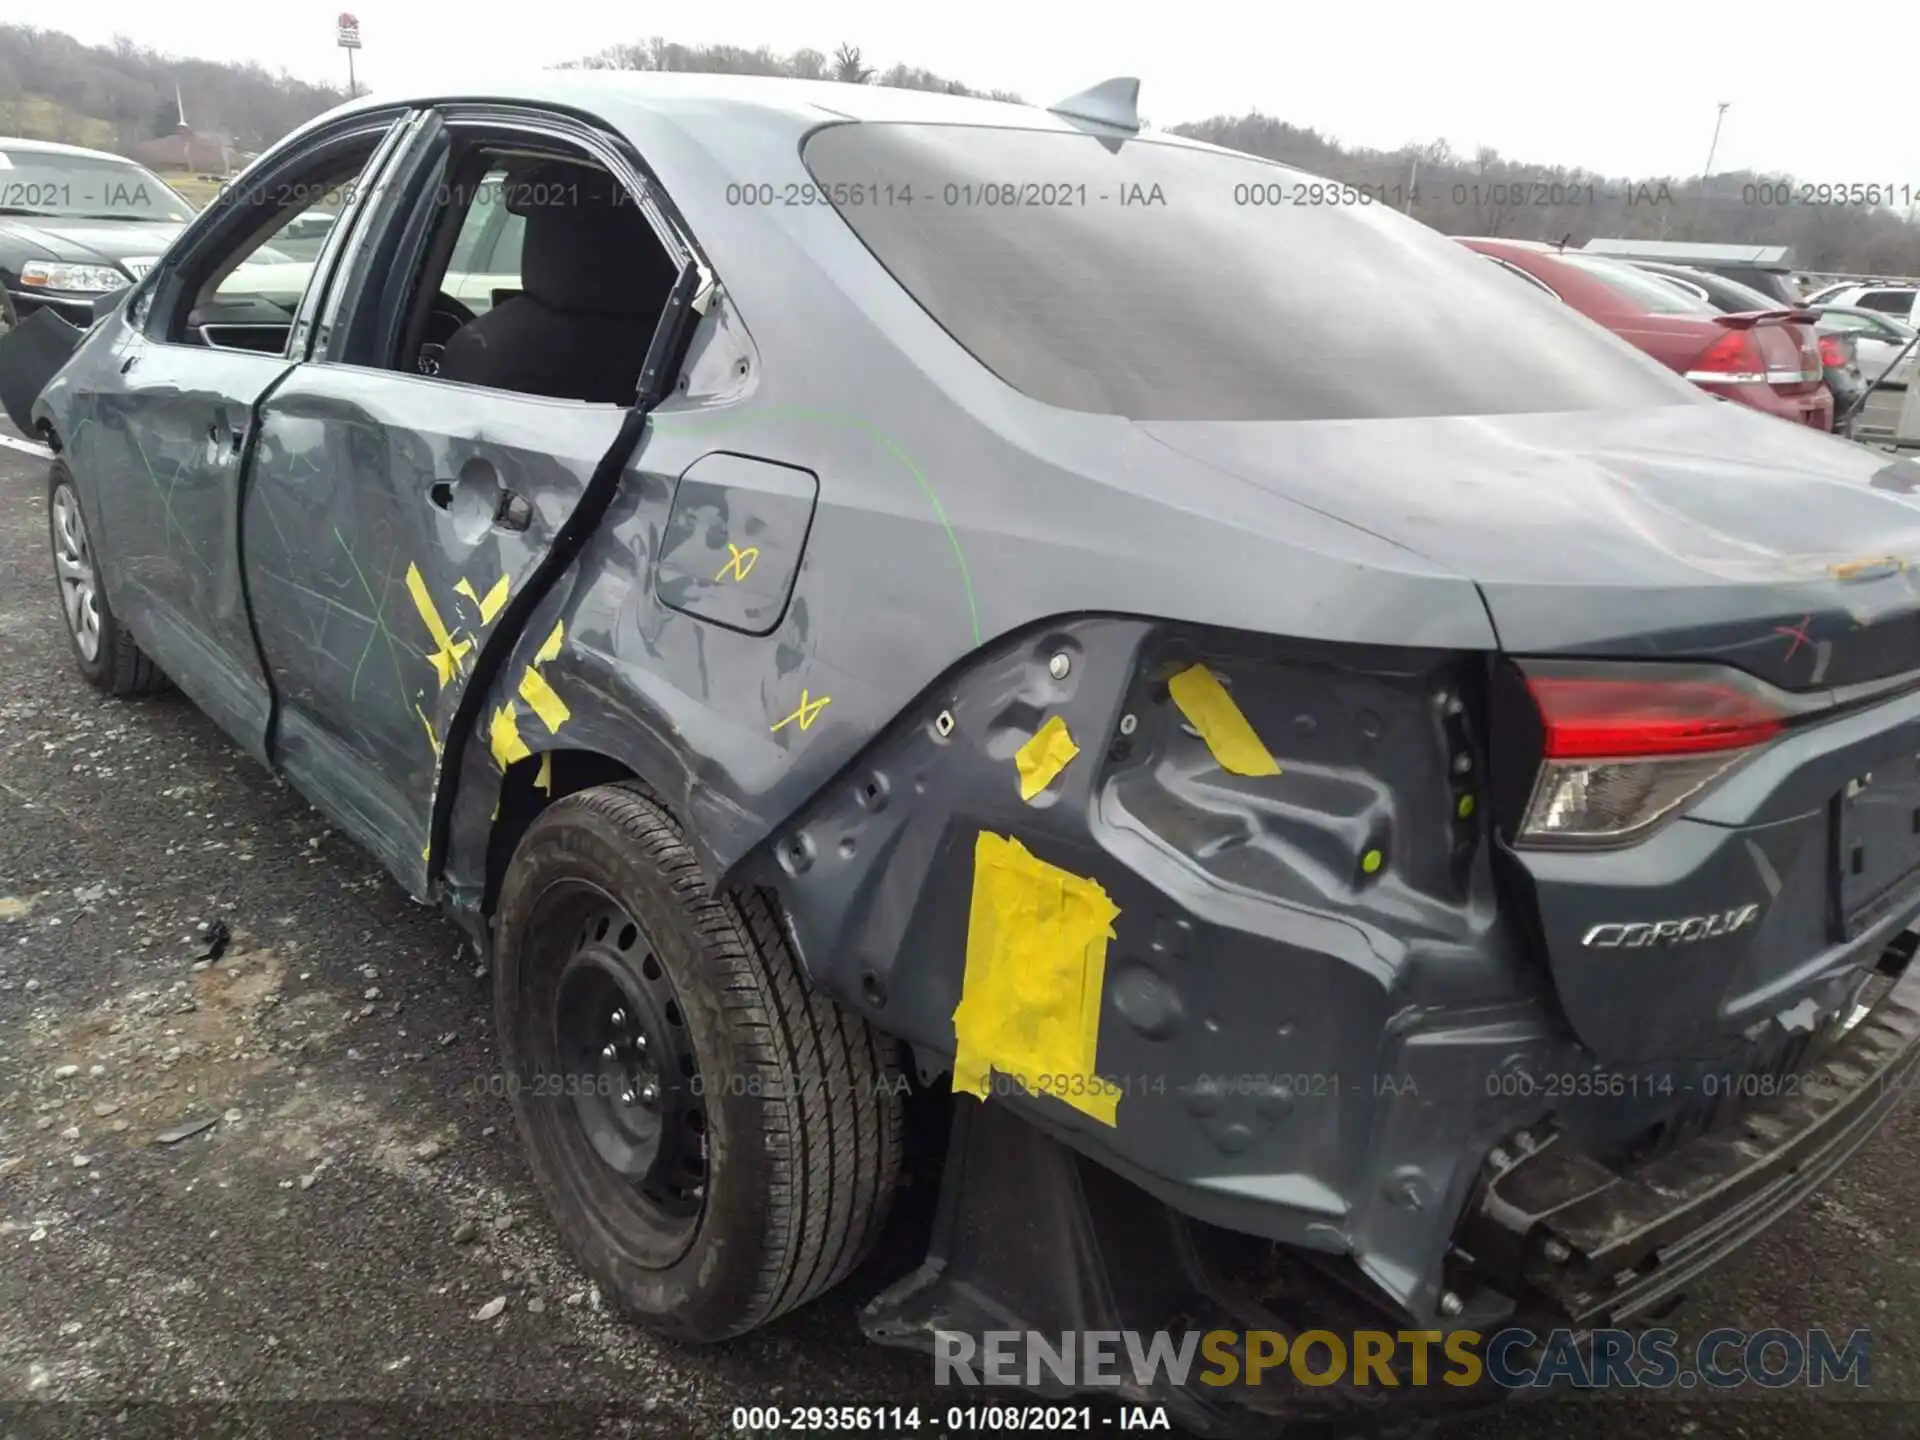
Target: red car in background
[[1769, 359]]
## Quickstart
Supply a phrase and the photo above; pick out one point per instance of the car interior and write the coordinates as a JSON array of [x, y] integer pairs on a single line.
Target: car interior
[[593, 280], [540, 276]]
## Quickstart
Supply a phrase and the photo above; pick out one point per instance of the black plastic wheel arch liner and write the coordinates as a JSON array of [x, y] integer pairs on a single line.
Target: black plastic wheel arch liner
[[1032, 1236]]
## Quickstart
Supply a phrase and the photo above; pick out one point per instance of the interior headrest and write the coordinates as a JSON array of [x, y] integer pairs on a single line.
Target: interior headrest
[[587, 247]]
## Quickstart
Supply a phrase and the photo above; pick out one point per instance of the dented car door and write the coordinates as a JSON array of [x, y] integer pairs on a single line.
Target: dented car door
[[158, 427], [392, 515]]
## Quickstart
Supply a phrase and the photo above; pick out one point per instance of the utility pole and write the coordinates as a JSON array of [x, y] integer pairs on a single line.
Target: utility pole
[[1413, 184], [1706, 175], [1708, 172]]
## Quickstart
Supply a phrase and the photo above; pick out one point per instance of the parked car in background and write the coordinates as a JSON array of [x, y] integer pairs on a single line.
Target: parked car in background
[[303, 235], [1839, 361], [257, 296], [1769, 359], [1902, 302], [1766, 268], [1879, 341], [77, 223]]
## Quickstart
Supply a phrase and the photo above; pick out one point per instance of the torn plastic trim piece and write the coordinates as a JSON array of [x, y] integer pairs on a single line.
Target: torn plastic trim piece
[[1606, 1246]]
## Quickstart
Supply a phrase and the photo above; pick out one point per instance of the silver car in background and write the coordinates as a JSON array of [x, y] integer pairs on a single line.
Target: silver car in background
[[1878, 340]]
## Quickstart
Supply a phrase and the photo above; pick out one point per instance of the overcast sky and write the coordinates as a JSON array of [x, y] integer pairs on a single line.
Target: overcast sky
[[1628, 88]]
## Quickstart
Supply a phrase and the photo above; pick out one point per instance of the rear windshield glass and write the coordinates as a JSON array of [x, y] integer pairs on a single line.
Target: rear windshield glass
[[1651, 292], [1733, 296], [1163, 282]]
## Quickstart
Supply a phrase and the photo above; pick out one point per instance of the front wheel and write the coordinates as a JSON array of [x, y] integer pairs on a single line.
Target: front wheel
[[717, 1143], [106, 653]]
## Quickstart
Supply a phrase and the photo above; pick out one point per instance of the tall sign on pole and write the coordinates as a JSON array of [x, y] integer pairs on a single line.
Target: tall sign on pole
[[349, 32]]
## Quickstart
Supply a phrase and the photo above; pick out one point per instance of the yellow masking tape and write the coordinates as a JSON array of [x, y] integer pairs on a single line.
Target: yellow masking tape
[[504, 736], [544, 780], [1030, 997], [489, 604], [1044, 756], [446, 659], [1211, 711], [550, 648], [432, 739], [551, 709]]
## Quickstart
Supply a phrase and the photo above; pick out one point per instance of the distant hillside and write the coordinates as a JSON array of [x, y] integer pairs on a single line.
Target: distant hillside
[[118, 96], [1486, 194], [121, 97]]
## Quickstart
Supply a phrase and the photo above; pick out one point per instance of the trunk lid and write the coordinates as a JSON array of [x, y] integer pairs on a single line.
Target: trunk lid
[[1704, 533], [1697, 531]]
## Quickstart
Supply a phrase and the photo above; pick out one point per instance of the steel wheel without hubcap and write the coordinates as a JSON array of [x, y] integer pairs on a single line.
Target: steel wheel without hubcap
[[73, 561], [716, 1143], [626, 1060]]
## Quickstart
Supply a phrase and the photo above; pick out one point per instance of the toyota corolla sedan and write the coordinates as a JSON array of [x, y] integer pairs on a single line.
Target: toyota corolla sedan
[[897, 620]]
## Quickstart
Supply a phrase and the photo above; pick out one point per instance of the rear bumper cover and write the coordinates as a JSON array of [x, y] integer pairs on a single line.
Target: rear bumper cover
[[1605, 1246], [1031, 1236]]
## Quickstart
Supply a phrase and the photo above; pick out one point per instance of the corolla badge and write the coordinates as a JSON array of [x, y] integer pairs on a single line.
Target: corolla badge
[[1636, 935]]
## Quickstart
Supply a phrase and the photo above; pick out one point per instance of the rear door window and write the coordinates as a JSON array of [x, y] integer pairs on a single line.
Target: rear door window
[[1165, 281], [1891, 302]]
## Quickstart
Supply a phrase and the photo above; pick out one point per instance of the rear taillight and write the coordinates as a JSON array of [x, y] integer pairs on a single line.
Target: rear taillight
[[1732, 359], [1831, 355], [1622, 750]]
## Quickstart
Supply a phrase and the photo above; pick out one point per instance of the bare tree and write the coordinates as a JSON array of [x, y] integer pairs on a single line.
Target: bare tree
[[847, 66]]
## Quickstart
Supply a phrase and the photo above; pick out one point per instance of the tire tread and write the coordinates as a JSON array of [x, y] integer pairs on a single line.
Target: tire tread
[[835, 1165]]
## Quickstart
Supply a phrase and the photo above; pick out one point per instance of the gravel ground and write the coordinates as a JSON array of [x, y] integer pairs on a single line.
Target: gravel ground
[[351, 1245]]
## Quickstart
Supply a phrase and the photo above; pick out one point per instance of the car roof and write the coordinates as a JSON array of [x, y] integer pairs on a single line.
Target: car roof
[[1668, 267], [1758, 257], [691, 99], [20, 144]]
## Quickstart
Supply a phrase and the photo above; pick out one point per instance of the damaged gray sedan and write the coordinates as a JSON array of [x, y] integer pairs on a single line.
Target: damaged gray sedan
[[1335, 793]]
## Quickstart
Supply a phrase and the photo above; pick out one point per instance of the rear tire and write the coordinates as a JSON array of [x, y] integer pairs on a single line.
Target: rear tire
[[104, 651], [634, 1010]]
